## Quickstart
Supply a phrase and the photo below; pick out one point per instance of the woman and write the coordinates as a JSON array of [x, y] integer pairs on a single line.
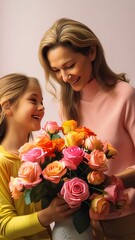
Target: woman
[[95, 96]]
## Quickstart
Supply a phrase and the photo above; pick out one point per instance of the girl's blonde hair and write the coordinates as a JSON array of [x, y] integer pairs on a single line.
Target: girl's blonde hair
[[12, 87], [79, 38]]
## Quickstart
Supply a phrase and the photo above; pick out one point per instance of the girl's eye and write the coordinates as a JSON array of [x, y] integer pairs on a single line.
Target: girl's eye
[[33, 100]]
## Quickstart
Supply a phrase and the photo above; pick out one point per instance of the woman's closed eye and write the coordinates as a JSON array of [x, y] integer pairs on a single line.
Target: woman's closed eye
[[66, 67]]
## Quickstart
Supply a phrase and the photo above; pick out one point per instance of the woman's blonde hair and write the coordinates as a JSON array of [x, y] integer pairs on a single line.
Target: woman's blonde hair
[[12, 86], [78, 37]]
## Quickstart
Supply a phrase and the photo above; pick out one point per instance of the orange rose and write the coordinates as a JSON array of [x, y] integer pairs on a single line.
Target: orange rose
[[54, 171], [59, 144], [74, 139], [69, 126], [100, 207], [95, 177], [86, 131], [46, 144]]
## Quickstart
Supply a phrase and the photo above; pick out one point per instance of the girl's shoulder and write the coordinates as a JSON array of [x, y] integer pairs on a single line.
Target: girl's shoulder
[[6, 157]]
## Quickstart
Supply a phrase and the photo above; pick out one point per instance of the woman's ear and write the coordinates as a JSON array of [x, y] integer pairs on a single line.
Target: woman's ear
[[93, 52]]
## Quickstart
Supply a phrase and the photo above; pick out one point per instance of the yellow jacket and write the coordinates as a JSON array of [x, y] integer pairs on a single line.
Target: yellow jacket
[[17, 220]]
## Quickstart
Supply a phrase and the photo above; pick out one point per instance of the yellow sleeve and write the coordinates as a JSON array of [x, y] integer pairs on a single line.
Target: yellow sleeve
[[16, 218]]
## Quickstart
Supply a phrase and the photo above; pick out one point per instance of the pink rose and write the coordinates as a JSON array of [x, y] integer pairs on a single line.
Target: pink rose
[[54, 171], [116, 194], [52, 127], [75, 191], [35, 154], [92, 143], [96, 177], [25, 148], [73, 156], [98, 160], [16, 187], [30, 172]]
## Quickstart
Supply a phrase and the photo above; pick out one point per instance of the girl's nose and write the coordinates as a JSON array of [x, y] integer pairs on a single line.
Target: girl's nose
[[41, 107]]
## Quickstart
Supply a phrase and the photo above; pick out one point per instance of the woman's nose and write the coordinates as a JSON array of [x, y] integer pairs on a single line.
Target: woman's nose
[[64, 76]]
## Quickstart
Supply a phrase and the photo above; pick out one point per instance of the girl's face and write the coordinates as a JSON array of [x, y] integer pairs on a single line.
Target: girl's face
[[28, 110], [64, 62]]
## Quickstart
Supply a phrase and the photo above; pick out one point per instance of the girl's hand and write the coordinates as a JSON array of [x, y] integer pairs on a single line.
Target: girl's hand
[[57, 211]]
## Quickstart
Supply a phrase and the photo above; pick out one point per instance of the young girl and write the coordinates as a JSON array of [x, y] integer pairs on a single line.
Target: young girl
[[21, 111], [98, 98]]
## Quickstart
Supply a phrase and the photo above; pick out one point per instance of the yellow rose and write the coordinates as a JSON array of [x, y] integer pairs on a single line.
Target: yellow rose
[[74, 139], [109, 150], [100, 207], [69, 126]]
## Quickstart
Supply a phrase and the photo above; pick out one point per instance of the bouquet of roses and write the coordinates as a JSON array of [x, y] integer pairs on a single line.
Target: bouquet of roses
[[69, 160]]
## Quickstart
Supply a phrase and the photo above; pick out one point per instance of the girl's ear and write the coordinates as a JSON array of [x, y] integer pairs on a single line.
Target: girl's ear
[[93, 52], [6, 108]]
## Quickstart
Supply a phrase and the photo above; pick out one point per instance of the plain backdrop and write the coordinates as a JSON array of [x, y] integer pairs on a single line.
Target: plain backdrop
[[23, 23]]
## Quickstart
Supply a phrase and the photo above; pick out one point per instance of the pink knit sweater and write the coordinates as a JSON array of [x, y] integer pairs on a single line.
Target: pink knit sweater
[[111, 114]]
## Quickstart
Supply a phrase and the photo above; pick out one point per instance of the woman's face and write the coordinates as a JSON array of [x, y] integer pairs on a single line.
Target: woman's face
[[64, 62]]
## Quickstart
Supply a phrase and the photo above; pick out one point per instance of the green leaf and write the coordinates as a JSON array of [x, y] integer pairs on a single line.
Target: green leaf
[[27, 196], [81, 219], [55, 136]]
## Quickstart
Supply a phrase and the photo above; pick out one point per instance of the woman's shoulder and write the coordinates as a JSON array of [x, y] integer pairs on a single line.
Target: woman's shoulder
[[125, 89]]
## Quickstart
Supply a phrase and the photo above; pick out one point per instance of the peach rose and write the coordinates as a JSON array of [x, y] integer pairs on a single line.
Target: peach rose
[[100, 207], [74, 139], [69, 126], [54, 171], [75, 191], [35, 154], [52, 127], [98, 160], [92, 143], [72, 157], [30, 172], [95, 177], [16, 187], [25, 148], [109, 150]]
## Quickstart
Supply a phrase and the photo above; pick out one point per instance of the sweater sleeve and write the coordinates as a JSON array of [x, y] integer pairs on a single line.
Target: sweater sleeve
[[130, 115], [16, 219]]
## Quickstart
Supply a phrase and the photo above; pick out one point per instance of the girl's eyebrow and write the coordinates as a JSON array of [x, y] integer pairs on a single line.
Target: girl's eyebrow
[[35, 95]]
